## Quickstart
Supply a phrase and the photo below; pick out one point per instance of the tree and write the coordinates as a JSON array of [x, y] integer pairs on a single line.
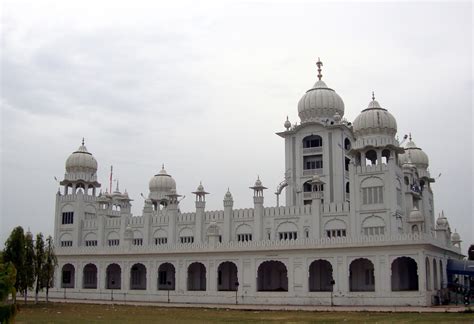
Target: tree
[[14, 252], [50, 265], [39, 264], [7, 287], [28, 265]]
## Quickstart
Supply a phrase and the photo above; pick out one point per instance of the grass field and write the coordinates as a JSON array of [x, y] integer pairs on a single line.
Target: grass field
[[93, 313]]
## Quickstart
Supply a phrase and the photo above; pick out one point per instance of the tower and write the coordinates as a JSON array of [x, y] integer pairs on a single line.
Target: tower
[[200, 207], [78, 199], [375, 175], [318, 146]]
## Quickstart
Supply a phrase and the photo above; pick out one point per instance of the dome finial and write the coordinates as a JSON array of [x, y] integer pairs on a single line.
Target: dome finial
[[373, 95], [409, 136], [83, 141], [162, 166], [319, 64]]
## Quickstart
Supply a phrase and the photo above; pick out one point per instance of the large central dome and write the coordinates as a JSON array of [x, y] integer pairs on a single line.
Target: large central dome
[[320, 103]]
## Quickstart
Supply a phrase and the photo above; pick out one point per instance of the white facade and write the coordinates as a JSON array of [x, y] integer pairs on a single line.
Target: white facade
[[358, 226]]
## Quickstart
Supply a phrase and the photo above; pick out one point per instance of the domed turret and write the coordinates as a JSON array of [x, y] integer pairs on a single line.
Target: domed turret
[[320, 103], [374, 120], [456, 238], [81, 161], [228, 196], [161, 185], [415, 216], [415, 155]]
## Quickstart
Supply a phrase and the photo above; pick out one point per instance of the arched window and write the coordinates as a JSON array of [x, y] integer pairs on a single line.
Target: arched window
[[272, 276], [113, 239], [166, 276], [138, 277], [372, 191], [197, 276], [287, 231], [137, 238], [244, 233], [186, 236], [373, 225], [347, 144], [428, 274], [67, 276], [90, 239], [435, 275], [385, 156], [227, 277], [90, 277], [335, 228], [160, 237], [320, 276], [371, 157], [312, 141], [404, 274], [113, 276], [361, 275]]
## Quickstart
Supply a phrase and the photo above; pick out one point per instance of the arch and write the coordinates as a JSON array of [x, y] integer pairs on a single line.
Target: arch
[[113, 238], [89, 278], [80, 188], [373, 225], [404, 274], [186, 235], [347, 144], [90, 239], [428, 273], [160, 236], [335, 228], [361, 275], [113, 276], [67, 208], [435, 275], [371, 182], [166, 276], [196, 277], [244, 233], [227, 279], [441, 275], [307, 187], [371, 157], [68, 276], [272, 276], [320, 276], [138, 277], [287, 231], [66, 240], [312, 141], [386, 154]]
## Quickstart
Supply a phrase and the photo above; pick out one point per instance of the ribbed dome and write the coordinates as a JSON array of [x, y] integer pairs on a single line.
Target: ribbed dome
[[81, 161], [455, 237], [374, 120], [228, 195], [416, 156], [320, 102], [161, 185]]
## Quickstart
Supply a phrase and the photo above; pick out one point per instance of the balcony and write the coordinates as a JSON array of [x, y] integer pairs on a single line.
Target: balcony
[[310, 172], [312, 150]]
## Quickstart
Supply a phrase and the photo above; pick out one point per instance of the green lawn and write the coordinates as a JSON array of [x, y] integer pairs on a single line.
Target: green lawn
[[91, 313]]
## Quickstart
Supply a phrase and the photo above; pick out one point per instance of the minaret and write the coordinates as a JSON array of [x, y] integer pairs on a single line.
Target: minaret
[[200, 207], [317, 195], [258, 208], [172, 208], [228, 204]]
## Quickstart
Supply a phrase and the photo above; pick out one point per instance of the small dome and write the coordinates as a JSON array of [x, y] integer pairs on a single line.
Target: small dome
[[415, 155], [258, 182], [320, 102], [415, 216], [81, 161], [161, 185], [228, 195], [442, 221], [200, 188], [374, 120], [455, 237]]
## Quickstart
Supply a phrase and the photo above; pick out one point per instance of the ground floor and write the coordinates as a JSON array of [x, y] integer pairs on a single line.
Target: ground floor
[[389, 275]]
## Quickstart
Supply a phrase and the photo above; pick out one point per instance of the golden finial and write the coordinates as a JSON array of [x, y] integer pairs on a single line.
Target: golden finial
[[319, 64]]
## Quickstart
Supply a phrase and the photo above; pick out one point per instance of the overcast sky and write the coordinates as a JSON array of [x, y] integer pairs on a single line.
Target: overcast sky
[[204, 88]]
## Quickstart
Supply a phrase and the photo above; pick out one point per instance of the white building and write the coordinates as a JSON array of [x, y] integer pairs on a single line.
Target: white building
[[357, 228]]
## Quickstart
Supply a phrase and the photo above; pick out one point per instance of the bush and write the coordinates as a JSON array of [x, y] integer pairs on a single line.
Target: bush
[[7, 313]]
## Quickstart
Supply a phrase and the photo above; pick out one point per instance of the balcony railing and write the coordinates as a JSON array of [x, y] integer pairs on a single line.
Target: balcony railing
[[312, 150], [309, 172]]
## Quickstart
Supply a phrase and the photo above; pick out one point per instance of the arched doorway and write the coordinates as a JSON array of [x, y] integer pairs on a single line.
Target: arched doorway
[[227, 276], [361, 275], [166, 276], [68, 276], [435, 275], [272, 276], [196, 277], [89, 277], [113, 276], [404, 274], [320, 276], [138, 277], [428, 274]]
